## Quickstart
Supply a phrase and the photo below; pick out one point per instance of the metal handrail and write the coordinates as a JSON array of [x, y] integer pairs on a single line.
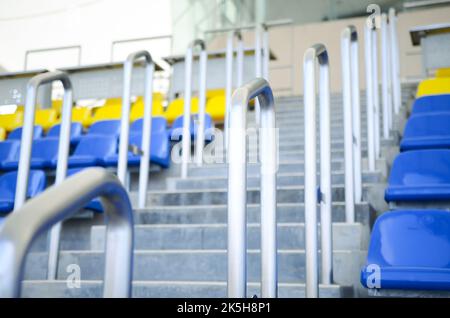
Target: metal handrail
[[386, 77], [376, 95], [122, 165], [395, 58], [368, 30], [237, 190], [352, 120], [229, 74], [200, 142], [317, 54], [63, 150], [23, 227]]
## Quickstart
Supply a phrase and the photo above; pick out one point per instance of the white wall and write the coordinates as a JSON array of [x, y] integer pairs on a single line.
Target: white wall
[[93, 24]]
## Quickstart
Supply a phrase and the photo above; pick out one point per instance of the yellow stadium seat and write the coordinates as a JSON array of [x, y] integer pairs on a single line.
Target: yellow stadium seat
[[443, 72], [137, 110], [176, 109], [110, 112], [116, 101], [46, 118], [2, 134], [434, 86], [57, 105], [214, 92], [81, 115], [215, 107], [11, 121]]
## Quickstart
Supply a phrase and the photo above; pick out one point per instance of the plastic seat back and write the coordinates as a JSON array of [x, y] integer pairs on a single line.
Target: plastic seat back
[[9, 150], [46, 118], [176, 109], [105, 127], [420, 175], [412, 250], [76, 130], [111, 112], [215, 107], [434, 86], [443, 72], [2, 134], [137, 110], [36, 184], [16, 134], [11, 121], [159, 124], [45, 149], [96, 146], [431, 104], [431, 131]]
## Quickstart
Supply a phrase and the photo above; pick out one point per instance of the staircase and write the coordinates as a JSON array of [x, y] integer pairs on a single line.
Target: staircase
[[181, 237]]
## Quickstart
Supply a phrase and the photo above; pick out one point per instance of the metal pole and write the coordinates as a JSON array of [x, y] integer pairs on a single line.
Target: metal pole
[[186, 142], [229, 75], [376, 96], [369, 99], [317, 53], [200, 142], [395, 57], [61, 173], [27, 133], [356, 111], [23, 227], [258, 64], [346, 36], [237, 191], [385, 89], [266, 53], [122, 165]]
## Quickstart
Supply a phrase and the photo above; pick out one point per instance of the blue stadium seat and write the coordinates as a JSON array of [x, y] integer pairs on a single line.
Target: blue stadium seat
[[159, 152], [16, 134], [36, 184], [411, 250], [44, 155], [431, 131], [431, 104], [105, 127], [159, 125], [76, 130], [176, 132], [422, 175], [9, 150], [92, 151]]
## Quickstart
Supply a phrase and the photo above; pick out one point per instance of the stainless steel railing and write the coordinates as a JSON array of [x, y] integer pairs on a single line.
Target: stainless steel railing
[[122, 165], [352, 120], [59, 202], [186, 142], [317, 54], [63, 150], [237, 190]]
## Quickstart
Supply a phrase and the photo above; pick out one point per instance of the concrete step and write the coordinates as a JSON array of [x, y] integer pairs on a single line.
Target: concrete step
[[214, 236], [194, 265], [168, 289], [297, 166], [287, 179], [213, 214], [291, 194]]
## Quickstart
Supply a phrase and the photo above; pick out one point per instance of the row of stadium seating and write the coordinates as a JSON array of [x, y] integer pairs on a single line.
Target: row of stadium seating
[[410, 244], [112, 109]]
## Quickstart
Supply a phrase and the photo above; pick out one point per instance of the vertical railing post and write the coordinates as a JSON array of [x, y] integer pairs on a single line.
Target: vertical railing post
[[237, 191], [200, 141], [186, 142], [258, 64], [347, 37], [266, 52], [376, 95], [63, 152], [229, 74], [122, 165], [395, 58], [369, 98], [317, 53], [385, 76]]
